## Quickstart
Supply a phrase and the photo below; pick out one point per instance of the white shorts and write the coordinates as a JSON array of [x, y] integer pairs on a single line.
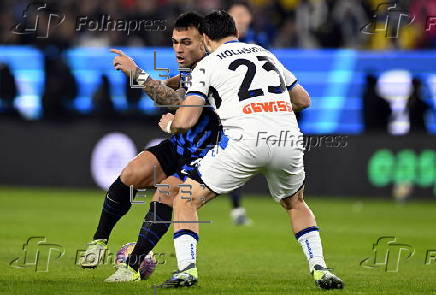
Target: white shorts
[[231, 164]]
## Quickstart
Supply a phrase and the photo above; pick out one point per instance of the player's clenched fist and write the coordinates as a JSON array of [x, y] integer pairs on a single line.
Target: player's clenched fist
[[124, 63], [165, 122]]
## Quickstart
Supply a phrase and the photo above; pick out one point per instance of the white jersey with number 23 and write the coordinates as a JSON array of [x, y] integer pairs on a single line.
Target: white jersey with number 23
[[248, 88]]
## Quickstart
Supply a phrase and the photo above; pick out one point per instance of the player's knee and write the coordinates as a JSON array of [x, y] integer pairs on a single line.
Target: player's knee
[[128, 176], [137, 176], [295, 201], [174, 190], [166, 195], [286, 203]]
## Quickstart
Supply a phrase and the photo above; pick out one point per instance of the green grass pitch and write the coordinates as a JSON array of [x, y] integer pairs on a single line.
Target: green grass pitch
[[261, 259]]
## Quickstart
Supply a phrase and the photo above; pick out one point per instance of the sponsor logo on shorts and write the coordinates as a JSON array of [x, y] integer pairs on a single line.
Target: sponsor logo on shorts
[[267, 107]]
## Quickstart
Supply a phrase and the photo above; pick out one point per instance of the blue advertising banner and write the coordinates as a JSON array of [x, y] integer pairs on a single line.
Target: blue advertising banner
[[335, 79]]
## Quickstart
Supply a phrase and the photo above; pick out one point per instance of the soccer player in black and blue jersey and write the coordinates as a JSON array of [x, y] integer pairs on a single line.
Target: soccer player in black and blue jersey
[[162, 163]]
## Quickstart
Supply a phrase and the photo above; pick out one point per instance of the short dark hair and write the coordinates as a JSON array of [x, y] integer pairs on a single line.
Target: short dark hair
[[190, 19], [219, 25]]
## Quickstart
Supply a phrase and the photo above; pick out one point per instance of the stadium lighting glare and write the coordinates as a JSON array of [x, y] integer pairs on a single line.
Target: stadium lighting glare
[[396, 87], [112, 152]]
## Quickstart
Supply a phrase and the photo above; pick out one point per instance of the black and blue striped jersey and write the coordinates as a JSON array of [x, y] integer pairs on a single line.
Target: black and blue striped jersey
[[197, 141]]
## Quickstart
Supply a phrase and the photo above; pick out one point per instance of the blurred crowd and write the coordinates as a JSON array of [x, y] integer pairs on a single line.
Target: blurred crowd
[[272, 23]]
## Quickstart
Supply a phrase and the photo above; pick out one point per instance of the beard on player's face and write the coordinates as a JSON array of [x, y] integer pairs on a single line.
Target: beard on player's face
[[190, 56]]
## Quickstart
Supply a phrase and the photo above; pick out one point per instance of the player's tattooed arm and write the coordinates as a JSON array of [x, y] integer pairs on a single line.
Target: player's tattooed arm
[[173, 82], [163, 94]]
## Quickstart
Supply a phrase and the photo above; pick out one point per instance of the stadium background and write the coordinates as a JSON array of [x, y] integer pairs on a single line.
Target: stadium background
[[69, 123]]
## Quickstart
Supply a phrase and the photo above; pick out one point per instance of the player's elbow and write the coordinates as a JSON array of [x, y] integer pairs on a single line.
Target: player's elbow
[[190, 122], [300, 98], [304, 101], [184, 124]]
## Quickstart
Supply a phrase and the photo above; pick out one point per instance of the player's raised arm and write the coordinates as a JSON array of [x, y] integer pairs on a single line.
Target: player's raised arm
[[164, 92]]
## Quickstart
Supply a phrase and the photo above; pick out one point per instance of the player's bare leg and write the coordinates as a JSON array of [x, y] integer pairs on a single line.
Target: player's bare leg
[[191, 197], [142, 171], [155, 225], [186, 228], [307, 233], [300, 214]]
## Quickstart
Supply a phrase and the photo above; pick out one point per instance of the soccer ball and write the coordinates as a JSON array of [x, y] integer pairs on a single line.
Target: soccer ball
[[147, 265]]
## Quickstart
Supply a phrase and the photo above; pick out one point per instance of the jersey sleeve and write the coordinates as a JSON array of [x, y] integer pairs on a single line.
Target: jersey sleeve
[[290, 79], [200, 81]]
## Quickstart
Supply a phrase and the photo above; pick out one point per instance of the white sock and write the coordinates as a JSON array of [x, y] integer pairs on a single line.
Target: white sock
[[185, 245], [311, 244]]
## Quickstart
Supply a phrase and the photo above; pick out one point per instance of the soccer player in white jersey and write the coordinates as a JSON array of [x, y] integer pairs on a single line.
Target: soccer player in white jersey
[[251, 91]]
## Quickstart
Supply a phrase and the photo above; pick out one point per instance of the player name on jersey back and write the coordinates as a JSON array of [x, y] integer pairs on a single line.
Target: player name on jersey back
[[244, 50]]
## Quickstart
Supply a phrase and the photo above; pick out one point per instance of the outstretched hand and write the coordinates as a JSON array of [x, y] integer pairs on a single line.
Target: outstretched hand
[[124, 62]]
